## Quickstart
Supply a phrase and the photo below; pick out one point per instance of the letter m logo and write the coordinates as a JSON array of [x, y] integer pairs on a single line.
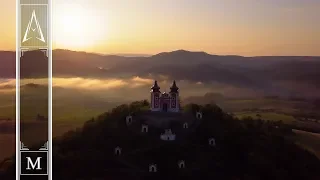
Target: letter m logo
[[35, 165]]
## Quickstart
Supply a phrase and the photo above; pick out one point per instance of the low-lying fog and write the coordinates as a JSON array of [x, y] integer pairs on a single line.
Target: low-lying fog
[[137, 88]]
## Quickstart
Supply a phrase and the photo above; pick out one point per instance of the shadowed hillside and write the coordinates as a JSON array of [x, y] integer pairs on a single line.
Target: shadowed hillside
[[245, 149]]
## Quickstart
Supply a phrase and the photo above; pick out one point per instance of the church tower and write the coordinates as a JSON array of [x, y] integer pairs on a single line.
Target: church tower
[[155, 97], [174, 100]]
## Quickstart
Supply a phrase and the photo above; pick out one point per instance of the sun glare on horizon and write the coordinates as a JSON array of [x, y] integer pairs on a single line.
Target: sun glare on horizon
[[77, 27], [251, 28]]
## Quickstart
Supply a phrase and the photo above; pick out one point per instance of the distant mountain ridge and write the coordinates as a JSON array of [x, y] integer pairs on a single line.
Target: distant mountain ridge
[[7, 59], [260, 72]]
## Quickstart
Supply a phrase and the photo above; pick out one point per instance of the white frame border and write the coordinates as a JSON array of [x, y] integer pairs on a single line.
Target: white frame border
[[18, 55]]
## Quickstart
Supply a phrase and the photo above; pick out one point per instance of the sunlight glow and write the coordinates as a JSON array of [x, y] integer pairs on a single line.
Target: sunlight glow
[[78, 27]]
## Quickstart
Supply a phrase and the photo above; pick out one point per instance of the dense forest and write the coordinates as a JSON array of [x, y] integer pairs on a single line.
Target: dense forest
[[245, 149]]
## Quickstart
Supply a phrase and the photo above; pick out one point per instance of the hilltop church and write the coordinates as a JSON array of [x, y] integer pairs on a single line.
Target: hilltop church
[[164, 102]]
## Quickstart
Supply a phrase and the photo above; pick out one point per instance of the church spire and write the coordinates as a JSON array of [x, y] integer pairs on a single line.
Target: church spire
[[174, 87], [155, 87]]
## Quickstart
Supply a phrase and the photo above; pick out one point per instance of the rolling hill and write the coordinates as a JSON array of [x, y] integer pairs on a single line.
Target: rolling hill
[[271, 74], [245, 149]]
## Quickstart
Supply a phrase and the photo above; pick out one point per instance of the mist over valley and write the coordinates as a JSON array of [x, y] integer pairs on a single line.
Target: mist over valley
[[86, 85]]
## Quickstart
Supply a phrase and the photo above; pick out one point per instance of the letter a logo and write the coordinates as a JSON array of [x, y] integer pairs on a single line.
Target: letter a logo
[[38, 28]]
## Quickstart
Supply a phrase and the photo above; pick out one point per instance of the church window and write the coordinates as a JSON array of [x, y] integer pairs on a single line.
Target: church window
[[199, 115], [181, 164], [144, 129], [153, 168], [129, 120], [212, 142], [117, 151], [185, 125]]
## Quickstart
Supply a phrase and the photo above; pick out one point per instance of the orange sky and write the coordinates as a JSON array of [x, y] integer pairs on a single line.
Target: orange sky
[[249, 28]]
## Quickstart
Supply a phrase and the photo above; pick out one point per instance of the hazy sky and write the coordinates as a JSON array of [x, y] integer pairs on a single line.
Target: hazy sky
[[243, 27]]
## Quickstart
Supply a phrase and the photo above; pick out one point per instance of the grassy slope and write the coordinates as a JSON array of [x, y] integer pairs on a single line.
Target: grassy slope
[[277, 105], [267, 116], [309, 141]]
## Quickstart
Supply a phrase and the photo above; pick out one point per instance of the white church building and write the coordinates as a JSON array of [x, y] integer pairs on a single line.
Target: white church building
[[168, 135], [165, 102]]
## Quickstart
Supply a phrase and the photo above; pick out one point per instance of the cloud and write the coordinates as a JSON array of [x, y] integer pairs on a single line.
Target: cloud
[[137, 86], [7, 85], [142, 80], [89, 84], [163, 77], [81, 83]]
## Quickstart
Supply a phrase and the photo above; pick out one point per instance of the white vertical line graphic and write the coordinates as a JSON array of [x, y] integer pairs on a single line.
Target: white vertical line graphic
[[17, 92], [50, 14]]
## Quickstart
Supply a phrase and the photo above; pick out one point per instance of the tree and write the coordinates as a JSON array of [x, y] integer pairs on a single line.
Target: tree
[[193, 108], [258, 116]]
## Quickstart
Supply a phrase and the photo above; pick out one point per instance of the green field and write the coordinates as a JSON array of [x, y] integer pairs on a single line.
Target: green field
[[281, 106], [267, 116], [70, 111], [74, 107], [309, 141]]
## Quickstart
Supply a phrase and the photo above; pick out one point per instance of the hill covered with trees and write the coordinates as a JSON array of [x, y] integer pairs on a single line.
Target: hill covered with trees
[[247, 149]]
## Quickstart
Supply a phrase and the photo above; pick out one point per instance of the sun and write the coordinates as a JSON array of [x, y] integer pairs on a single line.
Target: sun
[[76, 27]]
